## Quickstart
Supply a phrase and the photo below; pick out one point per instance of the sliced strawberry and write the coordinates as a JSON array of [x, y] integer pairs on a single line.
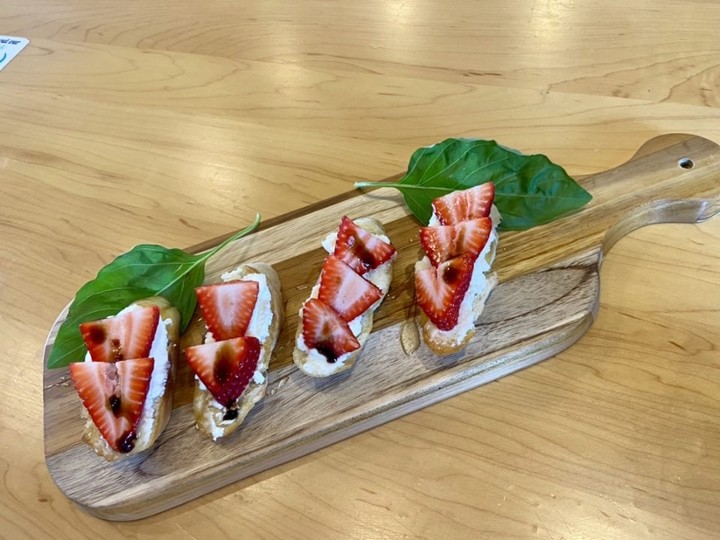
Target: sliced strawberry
[[114, 395], [444, 242], [326, 331], [360, 249], [125, 336], [225, 367], [440, 291], [343, 290], [466, 204], [228, 307]]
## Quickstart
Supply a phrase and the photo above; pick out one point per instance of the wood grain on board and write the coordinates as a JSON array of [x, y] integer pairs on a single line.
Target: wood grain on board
[[546, 299]]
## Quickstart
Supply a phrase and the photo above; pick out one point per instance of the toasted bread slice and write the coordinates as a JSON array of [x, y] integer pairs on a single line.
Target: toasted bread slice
[[482, 283], [211, 417], [310, 361], [158, 403]]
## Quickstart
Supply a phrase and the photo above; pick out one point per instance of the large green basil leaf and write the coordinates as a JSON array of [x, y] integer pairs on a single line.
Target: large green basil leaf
[[529, 189], [144, 271]]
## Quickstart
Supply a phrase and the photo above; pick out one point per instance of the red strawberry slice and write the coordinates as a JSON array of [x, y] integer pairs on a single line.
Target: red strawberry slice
[[466, 204], [345, 291], [360, 249], [444, 242], [125, 336], [440, 291], [114, 395], [225, 367], [228, 307], [326, 331]]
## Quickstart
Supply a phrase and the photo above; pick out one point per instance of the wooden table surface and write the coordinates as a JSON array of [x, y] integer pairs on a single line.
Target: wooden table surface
[[174, 122]]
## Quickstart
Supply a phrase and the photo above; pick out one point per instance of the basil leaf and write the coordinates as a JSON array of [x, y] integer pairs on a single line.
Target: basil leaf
[[529, 189], [144, 271]]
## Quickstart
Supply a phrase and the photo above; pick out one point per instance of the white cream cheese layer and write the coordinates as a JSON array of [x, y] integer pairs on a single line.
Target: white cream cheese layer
[[318, 364], [158, 381]]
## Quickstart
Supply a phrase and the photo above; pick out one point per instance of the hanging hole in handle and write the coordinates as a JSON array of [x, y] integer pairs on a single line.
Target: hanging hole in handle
[[686, 163]]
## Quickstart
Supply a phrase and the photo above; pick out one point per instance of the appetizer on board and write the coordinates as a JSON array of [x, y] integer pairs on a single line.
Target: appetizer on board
[[454, 278], [337, 319], [126, 380], [243, 315]]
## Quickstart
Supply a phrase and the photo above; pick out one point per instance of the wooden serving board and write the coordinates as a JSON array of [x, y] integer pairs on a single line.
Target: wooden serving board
[[546, 299]]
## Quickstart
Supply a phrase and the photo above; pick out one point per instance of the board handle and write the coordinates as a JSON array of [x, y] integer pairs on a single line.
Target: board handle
[[672, 178], [682, 153]]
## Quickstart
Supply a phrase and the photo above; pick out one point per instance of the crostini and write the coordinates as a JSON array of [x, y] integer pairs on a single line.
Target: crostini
[[454, 278], [243, 316], [337, 319], [126, 380]]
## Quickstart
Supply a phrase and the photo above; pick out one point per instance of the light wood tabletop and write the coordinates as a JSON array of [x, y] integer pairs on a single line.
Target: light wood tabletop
[[175, 122]]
